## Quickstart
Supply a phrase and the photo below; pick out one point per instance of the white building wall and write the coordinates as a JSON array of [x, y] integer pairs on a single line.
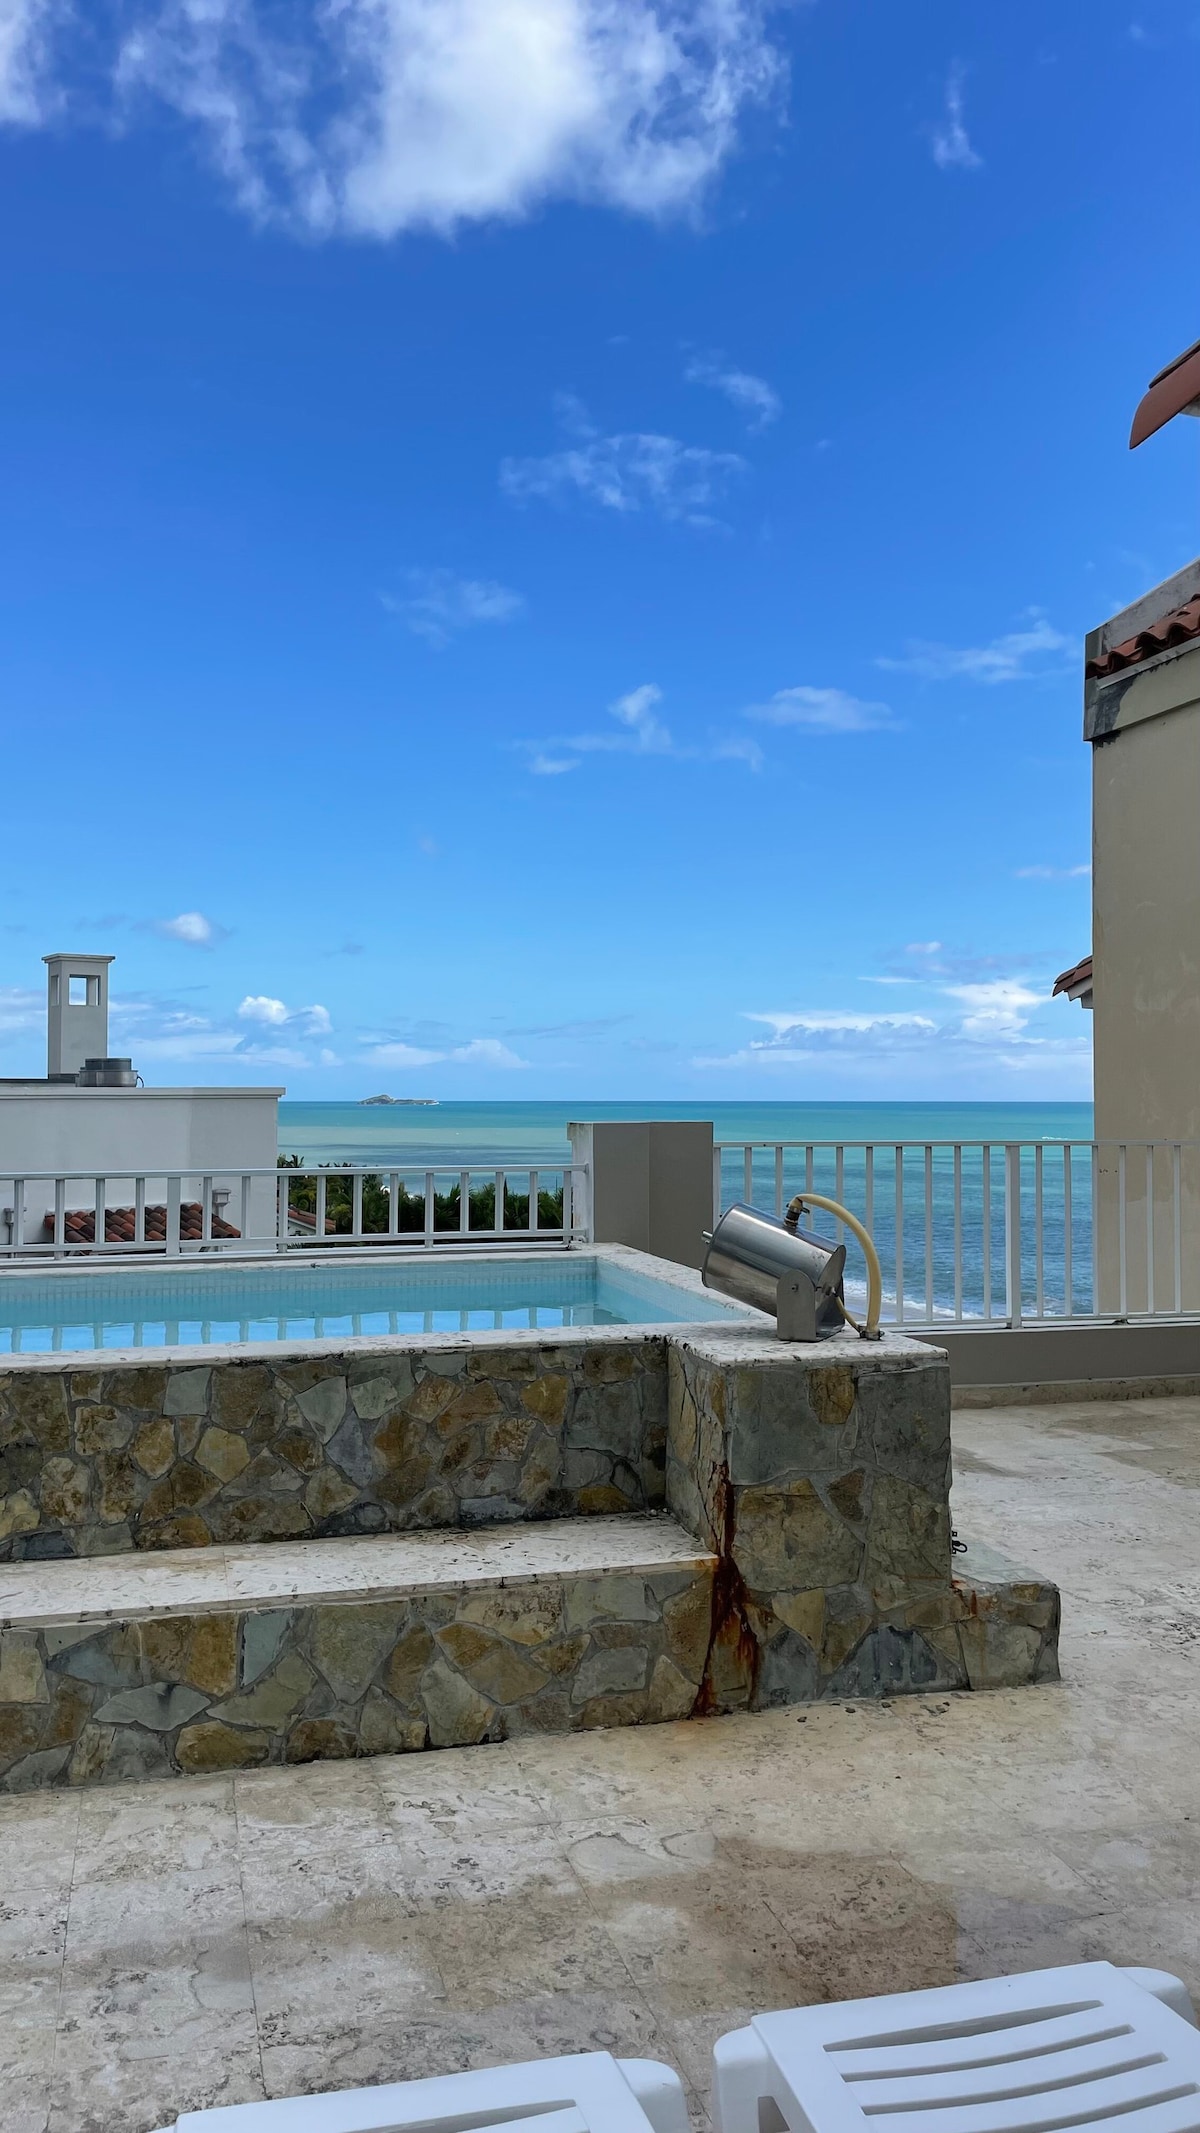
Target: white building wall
[[119, 1133]]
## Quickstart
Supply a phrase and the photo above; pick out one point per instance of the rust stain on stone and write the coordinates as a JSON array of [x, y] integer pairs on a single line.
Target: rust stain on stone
[[730, 1623]]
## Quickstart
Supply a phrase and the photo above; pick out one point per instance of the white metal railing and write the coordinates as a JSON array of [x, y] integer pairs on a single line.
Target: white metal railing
[[1001, 1232], [55, 1215]]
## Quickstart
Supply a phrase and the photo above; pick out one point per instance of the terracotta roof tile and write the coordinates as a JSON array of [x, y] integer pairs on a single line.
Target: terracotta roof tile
[[1179, 627], [79, 1225], [1079, 974], [1175, 391]]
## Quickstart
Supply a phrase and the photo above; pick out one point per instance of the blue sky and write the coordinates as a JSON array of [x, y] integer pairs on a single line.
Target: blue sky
[[546, 543]]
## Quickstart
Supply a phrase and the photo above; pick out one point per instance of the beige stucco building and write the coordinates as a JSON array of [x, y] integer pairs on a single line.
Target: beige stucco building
[[1142, 720]]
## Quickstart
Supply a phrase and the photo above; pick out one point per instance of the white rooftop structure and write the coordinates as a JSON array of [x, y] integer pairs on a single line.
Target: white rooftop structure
[[87, 1122], [76, 1012]]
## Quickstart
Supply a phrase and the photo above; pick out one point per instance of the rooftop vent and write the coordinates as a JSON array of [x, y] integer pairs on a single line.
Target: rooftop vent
[[107, 1074]]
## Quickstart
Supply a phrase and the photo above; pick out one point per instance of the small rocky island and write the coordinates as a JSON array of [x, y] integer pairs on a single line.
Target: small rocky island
[[426, 1102]]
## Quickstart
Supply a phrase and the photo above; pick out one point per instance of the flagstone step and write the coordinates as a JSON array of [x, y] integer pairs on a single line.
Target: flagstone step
[[221, 1658]]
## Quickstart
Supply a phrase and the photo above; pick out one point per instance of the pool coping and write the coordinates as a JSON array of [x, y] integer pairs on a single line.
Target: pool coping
[[735, 1318]]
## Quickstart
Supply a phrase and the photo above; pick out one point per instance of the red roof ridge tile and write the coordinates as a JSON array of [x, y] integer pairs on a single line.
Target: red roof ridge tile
[[1178, 627], [1079, 973]]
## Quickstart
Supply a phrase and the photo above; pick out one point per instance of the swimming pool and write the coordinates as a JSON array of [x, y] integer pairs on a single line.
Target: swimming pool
[[186, 1307]]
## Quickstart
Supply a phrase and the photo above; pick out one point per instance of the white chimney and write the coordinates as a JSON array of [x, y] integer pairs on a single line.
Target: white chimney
[[76, 1012]]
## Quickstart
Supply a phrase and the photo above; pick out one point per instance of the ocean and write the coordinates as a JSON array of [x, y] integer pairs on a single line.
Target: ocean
[[454, 1133], [939, 1231]]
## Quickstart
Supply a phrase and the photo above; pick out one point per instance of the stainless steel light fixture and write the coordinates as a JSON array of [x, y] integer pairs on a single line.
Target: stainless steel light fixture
[[762, 1260], [770, 1262]]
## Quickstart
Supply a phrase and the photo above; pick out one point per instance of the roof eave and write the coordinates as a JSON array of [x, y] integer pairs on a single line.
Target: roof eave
[[1174, 392]]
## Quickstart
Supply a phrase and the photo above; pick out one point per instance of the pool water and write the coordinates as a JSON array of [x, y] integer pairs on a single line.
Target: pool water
[[194, 1307]]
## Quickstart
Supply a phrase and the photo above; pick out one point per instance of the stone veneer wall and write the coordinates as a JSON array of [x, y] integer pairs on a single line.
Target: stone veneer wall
[[94, 1462], [816, 1483], [821, 1482], [232, 1689]]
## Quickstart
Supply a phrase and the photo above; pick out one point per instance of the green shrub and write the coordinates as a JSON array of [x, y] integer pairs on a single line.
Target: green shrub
[[376, 1199]]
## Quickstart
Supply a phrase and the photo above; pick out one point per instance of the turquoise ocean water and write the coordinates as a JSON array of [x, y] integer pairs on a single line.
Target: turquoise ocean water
[[473, 1132], [954, 1260]]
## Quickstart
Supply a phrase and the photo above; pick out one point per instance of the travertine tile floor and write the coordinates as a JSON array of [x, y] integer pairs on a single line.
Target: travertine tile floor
[[169, 1945]]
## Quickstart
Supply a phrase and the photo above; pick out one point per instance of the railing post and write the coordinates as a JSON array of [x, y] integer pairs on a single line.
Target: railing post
[[1012, 1233], [581, 1203], [174, 1202]]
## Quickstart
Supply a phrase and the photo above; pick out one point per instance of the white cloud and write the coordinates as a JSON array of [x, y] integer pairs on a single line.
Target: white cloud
[[402, 1055], [487, 1051], [837, 1022], [248, 1056], [753, 397], [629, 472], [21, 1009], [817, 1033], [996, 1006], [377, 116], [823, 711], [191, 927], [1020, 656], [262, 1032], [26, 98], [259, 1007], [270, 1013], [994, 1029], [642, 732], [478, 1051], [438, 604], [739, 748], [636, 712], [949, 140], [551, 766], [1052, 873]]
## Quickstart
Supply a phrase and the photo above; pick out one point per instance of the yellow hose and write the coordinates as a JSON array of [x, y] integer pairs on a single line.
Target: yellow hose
[[869, 1329]]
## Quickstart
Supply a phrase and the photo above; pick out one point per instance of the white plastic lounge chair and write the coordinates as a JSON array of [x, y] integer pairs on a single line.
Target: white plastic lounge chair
[[1087, 2046], [587, 2092]]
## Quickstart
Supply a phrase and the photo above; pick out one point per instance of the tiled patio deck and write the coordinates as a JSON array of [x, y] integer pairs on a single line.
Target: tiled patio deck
[[168, 1945]]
